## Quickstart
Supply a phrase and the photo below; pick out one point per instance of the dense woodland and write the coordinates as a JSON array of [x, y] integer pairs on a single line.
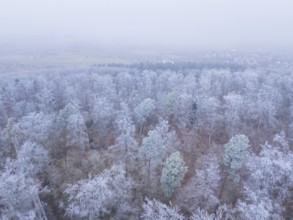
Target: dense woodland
[[152, 140]]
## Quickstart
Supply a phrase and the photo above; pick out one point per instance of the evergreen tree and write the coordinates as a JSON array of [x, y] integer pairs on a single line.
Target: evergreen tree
[[173, 173], [235, 153], [143, 111]]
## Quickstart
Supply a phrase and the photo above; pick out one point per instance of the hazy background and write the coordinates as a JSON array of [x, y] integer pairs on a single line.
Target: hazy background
[[196, 24]]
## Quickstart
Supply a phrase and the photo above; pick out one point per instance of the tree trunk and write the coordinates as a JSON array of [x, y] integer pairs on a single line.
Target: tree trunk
[[39, 207], [65, 157], [193, 149], [149, 174], [65, 148], [232, 129], [223, 186], [140, 132], [125, 158]]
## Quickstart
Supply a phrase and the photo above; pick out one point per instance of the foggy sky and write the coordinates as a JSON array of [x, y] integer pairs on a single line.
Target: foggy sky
[[172, 23]]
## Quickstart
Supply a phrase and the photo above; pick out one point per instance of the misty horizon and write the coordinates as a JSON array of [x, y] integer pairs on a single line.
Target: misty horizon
[[173, 25]]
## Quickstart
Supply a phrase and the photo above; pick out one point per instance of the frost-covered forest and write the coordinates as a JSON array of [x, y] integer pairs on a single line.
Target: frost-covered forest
[[207, 139]]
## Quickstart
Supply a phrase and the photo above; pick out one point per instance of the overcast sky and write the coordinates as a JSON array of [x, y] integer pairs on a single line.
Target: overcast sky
[[169, 23]]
